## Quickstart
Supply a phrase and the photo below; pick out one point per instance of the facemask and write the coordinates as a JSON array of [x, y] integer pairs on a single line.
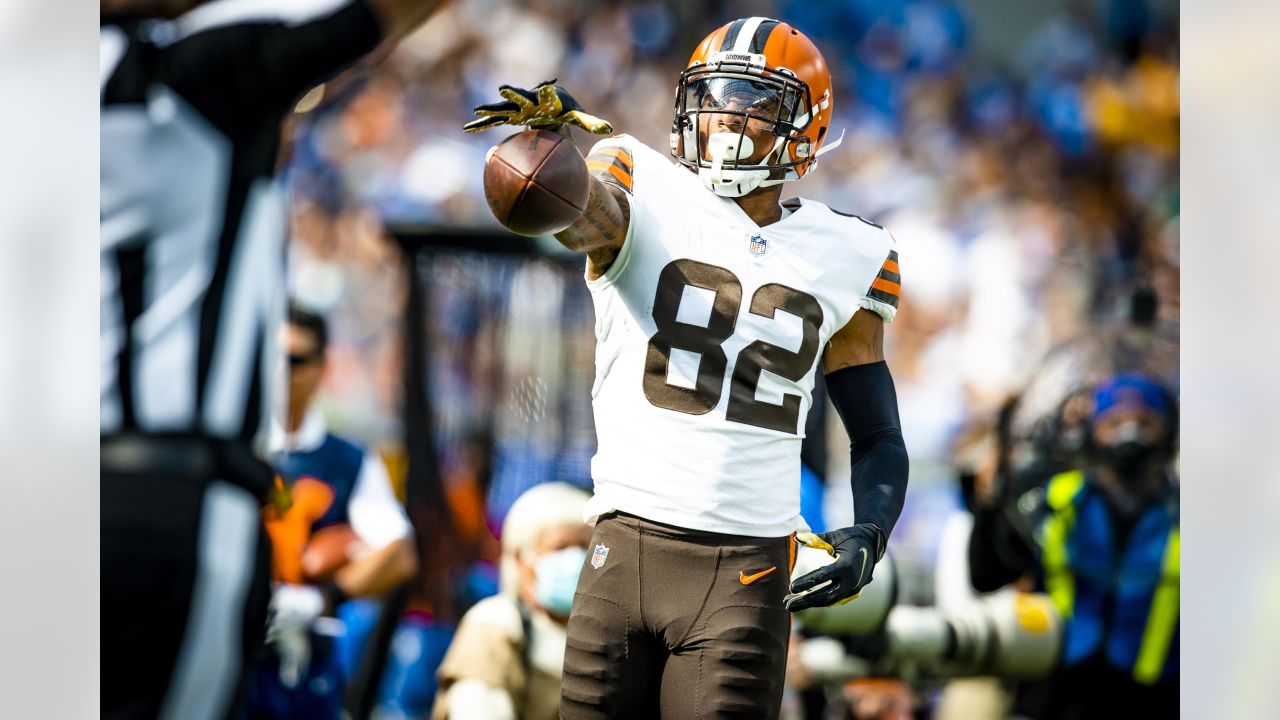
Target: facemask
[[1128, 453], [1129, 458], [557, 574]]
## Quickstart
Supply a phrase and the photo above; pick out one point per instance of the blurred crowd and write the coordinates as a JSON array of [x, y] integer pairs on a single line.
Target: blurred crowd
[[1031, 196]]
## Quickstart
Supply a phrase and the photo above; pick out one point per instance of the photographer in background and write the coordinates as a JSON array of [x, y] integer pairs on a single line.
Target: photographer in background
[[505, 661], [1103, 542]]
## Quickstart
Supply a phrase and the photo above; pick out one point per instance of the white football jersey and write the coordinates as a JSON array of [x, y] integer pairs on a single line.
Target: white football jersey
[[709, 329]]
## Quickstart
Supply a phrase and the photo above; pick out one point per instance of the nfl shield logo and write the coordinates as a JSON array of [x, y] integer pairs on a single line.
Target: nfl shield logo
[[598, 557], [758, 245]]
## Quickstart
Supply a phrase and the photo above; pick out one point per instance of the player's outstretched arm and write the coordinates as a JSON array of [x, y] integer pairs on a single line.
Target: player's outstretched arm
[[601, 229], [862, 391]]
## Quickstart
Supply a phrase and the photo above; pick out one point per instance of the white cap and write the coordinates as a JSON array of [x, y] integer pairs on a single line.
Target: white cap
[[538, 510]]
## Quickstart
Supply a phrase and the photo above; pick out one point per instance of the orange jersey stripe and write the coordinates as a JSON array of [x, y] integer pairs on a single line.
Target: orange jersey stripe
[[892, 266], [597, 164], [618, 173], [610, 153], [883, 285]]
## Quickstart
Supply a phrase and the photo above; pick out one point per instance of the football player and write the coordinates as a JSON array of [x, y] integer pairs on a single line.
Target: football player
[[715, 304]]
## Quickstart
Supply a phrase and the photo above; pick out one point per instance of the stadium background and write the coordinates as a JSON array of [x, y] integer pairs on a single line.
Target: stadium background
[[1025, 156], [49, 428]]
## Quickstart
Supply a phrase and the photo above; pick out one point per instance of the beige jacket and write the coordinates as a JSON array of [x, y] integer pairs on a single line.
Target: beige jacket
[[490, 646]]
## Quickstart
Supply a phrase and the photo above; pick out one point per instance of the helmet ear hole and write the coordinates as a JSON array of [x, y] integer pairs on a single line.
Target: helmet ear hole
[[822, 132]]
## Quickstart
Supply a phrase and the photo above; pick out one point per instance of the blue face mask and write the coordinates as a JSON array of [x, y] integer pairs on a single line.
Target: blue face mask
[[558, 578]]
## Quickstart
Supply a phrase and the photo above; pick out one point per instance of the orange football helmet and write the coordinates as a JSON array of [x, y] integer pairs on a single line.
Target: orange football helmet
[[760, 70]]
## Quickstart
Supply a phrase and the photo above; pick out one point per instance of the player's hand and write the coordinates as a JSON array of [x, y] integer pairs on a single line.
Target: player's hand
[[546, 107], [856, 550]]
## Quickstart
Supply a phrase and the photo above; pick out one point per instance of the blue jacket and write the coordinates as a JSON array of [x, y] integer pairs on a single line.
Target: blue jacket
[[336, 463], [1120, 600]]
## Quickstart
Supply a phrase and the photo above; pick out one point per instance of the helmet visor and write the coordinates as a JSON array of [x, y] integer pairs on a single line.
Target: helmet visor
[[754, 98]]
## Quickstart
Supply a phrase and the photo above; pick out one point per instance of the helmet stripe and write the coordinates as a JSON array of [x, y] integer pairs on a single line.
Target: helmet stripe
[[742, 39], [761, 35], [731, 36]]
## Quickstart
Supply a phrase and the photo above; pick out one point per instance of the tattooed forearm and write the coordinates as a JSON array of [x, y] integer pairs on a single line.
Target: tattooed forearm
[[602, 226], [601, 260]]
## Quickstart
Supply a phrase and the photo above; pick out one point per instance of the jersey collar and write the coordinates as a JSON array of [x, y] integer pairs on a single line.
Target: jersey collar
[[787, 213], [309, 436]]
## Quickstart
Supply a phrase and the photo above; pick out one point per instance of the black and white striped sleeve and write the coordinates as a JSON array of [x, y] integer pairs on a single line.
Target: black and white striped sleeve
[[238, 59]]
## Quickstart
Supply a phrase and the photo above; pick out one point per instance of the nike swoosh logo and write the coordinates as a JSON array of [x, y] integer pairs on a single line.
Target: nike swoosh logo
[[746, 579], [858, 594]]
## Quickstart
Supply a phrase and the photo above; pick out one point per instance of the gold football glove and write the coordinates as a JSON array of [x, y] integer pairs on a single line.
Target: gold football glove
[[546, 107], [810, 540]]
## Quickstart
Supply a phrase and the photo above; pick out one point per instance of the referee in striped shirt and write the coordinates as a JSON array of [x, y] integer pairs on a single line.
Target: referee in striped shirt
[[193, 94]]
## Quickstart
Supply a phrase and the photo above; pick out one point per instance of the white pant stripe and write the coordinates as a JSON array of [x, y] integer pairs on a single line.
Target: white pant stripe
[[209, 661]]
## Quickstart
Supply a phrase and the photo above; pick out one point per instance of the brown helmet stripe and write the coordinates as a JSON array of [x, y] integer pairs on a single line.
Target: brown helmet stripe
[[731, 36], [762, 35]]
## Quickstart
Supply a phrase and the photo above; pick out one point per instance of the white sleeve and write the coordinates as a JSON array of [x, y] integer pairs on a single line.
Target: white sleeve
[[882, 294], [376, 516], [886, 311], [473, 700], [613, 160]]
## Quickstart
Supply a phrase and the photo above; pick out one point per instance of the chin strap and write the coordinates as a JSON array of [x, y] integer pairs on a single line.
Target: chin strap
[[790, 175], [823, 151], [829, 146]]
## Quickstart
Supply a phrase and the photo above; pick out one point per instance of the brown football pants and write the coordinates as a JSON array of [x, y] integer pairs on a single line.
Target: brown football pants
[[677, 623]]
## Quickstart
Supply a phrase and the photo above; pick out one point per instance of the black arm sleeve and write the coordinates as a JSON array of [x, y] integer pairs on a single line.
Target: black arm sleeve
[[868, 405], [239, 70]]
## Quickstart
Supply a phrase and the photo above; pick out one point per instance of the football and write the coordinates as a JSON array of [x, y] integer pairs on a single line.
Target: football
[[536, 182], [328, 550]]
